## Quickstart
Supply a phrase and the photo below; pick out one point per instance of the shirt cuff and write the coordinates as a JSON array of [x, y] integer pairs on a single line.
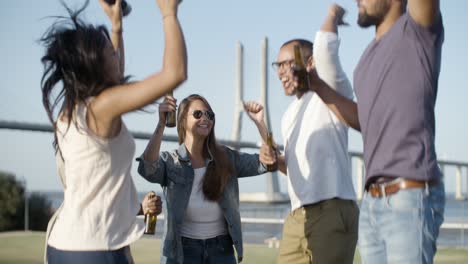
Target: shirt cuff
[[148, 166]]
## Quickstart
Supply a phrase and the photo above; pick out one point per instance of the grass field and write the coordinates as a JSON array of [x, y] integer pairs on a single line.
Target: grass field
[[27, 247]]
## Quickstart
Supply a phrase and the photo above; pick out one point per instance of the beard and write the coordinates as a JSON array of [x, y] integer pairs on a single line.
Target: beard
[[365, 20], [380, 9]]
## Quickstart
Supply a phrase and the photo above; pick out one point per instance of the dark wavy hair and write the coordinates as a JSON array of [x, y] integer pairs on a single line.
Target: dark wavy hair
[[75, 58], [220, 168]]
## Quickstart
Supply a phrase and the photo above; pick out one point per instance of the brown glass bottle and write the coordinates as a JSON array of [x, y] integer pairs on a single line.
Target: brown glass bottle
[[170, 116], [300, 70], [274, 166], [150, 221]]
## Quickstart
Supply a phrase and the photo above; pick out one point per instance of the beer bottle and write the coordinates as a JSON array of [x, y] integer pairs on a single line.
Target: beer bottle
[[170, 116], [150, 221], [274, 166], [300, 70]]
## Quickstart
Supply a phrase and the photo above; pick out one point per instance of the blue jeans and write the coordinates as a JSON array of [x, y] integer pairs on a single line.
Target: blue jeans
[[402, 227], [209, 251]]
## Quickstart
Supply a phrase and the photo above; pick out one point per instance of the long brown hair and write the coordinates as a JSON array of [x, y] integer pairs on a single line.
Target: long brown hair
[[220, 168]]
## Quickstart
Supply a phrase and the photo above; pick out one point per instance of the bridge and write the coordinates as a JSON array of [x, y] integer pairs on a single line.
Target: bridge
[[273, 194]]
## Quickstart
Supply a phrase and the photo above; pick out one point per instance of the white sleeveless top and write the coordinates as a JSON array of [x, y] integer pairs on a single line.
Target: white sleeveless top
[[203, 218], [100, 199]]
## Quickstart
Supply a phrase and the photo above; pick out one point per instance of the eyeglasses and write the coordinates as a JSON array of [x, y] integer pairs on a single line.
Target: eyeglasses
[[281, 64], [197, 114], [288, 64]]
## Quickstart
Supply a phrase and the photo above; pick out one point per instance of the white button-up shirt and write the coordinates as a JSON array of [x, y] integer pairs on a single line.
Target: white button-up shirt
[[316, 142]]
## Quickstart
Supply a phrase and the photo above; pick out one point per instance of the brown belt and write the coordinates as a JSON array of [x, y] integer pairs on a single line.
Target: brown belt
[[391, 187]]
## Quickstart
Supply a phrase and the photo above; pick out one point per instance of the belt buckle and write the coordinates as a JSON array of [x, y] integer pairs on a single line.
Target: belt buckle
[[375, 190], [381, 187], [383, 193]]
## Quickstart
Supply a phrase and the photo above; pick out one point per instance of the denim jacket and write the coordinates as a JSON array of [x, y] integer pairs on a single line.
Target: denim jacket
[[174, 172]]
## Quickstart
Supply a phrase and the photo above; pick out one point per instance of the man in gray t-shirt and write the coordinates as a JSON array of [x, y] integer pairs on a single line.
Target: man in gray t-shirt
[[396, 87]]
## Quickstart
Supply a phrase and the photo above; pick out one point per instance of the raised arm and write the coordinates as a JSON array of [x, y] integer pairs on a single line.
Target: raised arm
[[333, 19], [267, 156], [152, 163], [424, 12], [329, 80], [345, 109], [326, 53], [114, 102], [114, 12], [151, 153], [255, 112]]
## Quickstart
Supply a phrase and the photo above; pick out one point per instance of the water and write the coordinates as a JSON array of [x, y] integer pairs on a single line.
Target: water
[[456, 211]]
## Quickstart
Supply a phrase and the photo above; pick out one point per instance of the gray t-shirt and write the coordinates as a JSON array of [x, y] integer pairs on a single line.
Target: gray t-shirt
[[396, 88]]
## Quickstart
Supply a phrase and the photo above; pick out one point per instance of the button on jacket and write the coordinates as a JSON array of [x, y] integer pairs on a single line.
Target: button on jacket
[[174, 172]]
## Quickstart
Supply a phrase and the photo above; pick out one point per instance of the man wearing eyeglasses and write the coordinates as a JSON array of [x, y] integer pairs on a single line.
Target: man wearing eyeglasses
[[322, 225]]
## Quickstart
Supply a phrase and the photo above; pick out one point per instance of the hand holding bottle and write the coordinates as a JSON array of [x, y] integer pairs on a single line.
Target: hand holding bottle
[[113, 11], [169, 105], [151, 204], [336, 14], [171, 116], [269, 154]]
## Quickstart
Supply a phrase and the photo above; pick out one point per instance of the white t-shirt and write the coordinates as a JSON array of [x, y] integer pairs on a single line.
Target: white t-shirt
[[100, 199], [203, 218], [316, 142]]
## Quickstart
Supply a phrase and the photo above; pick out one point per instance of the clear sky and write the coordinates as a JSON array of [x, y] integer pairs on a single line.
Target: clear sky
[[212, 29]]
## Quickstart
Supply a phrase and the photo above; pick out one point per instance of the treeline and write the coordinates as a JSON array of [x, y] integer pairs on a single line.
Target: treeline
[[12, 206]]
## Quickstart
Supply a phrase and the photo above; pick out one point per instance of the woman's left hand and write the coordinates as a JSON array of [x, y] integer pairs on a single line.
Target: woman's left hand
[[114, 12], [151, 204]]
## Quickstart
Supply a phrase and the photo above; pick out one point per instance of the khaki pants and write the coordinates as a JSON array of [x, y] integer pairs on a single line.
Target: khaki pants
[[321, 233]]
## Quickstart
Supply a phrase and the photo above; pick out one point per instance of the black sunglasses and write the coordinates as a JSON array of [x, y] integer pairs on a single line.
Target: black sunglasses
[[197, 114]]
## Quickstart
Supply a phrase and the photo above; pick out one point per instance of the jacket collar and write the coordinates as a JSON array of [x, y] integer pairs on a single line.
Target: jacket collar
[[184, 154]]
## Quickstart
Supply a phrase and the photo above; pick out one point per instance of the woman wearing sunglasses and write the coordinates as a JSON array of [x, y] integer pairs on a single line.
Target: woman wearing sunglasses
[[200, 183]]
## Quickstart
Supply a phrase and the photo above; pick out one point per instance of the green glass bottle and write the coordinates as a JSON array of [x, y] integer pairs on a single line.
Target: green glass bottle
[[274, 166], [150, 221]]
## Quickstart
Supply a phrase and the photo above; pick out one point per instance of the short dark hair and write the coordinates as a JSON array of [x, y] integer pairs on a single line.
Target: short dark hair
[[305, 45]]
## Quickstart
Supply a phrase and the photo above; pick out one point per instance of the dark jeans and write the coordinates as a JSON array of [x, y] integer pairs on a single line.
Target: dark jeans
[[119, 256], [209, 251]]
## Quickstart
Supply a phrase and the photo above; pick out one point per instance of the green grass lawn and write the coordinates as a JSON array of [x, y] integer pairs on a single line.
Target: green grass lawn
[[27, 247]]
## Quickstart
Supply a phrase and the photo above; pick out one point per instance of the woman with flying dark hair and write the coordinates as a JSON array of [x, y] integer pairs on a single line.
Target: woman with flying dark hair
[[85, 95], [200, 183]]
